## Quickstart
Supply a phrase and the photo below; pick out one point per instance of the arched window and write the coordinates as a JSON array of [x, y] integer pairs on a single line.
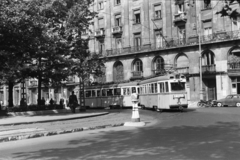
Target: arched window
[[118, 74], [159, 63], [208, 58], [138, 66], [182, 61]]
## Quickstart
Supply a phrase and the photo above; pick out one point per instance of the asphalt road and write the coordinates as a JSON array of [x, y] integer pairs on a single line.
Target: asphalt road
[[202, 134]]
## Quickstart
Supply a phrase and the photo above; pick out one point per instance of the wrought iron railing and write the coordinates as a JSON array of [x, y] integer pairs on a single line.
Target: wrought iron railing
[[137, 74], [175, 43], [209, 68], [234, 66], [159, 72]]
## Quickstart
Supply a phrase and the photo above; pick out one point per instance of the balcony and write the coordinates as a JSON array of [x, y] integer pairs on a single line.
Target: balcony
[[182, 70], [136, 75], [176, 43], [180, 17], [117, 30], [209, 69], [99, 33], [234, 68], [159, 72]]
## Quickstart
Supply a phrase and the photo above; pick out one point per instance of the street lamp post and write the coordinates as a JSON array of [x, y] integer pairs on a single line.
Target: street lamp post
[[199, 29]]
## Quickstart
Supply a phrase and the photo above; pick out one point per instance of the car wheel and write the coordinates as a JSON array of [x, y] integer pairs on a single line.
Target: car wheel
[[238, 104], [219, 104]]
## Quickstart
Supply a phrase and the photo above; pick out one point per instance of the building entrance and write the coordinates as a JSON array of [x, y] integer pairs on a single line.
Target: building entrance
[[235, 85], [210, 88]]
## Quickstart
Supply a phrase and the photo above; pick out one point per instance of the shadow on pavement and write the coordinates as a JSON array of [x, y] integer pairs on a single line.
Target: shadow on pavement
[[160, 143]]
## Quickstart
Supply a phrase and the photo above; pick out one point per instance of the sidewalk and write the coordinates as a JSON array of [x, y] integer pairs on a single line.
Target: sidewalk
[[46, 116]]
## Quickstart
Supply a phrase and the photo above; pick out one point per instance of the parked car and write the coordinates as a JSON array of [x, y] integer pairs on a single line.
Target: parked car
[[230, 100]]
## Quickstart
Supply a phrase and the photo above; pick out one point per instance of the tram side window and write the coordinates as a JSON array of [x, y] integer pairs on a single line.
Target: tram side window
[[117, 91], [88, 93], [161, 87], [178, 86], [128, 91], [138, 89], [93, 93], [104, 92], [166, 84], [133, 89], [98, 93], [109, 92], [155, 87]]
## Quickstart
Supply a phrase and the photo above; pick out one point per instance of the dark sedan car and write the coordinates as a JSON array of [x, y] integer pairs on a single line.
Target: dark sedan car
[[230, 100]]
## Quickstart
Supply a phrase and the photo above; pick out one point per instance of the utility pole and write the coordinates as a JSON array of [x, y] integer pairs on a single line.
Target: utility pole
[[199, 29]]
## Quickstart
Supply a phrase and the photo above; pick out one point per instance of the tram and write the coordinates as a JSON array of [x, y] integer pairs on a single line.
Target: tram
[[164, 92], [113, 96]]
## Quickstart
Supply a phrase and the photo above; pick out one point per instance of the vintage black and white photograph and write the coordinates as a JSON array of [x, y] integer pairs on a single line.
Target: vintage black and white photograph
[[119, 79]]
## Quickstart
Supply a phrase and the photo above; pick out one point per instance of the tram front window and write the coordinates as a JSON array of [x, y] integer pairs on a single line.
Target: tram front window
[[178, 86]]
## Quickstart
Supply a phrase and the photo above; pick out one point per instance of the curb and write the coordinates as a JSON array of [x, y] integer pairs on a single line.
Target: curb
[[53, 120], [52, 133]]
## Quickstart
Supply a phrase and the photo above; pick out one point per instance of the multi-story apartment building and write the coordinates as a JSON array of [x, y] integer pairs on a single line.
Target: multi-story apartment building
[[141, 38], [144, 38]]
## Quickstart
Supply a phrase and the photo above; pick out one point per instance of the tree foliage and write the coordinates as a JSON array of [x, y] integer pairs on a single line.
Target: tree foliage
[[227, 10], [42, 39]]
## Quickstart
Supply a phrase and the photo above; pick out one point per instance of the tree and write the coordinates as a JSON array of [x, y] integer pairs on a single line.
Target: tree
[[16, 32], [228, 11]]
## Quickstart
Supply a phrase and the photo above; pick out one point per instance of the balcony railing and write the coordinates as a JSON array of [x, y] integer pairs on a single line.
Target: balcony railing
[[180, 17], [175, 43], [209, 68], [99, 33], [137, 74], [182, 70], [117, 30], [234, 66], [159, 72]]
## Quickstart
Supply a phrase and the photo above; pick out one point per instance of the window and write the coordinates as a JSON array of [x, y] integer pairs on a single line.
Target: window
[[101, 47], [178, 86], [137, 41], [159, 63], [157, 11], [88, 93], [208, 59], [100, 5], [104, 92], [117, 91], [207, 4], [134, 90], [180, 8], [93, 93], [207, 26], [181, 32], [118, 20], [119, 45], [166, 84], [161, 87], [235, 24], [101, 23], [138, 65], [158, 39], [137, 16], [117, 2], [98, 93], [109, 92]]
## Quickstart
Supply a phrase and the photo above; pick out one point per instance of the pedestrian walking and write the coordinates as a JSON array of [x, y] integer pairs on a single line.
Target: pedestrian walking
[[73, 102]]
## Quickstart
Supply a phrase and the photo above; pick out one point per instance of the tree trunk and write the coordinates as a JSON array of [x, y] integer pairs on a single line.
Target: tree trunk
[[10, 94], [39, 89]]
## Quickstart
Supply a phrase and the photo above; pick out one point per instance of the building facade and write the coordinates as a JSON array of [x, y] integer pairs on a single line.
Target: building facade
[[144, 38]]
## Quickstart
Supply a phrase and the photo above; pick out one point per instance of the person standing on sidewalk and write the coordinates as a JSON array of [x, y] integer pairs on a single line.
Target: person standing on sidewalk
[[73, 102]]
